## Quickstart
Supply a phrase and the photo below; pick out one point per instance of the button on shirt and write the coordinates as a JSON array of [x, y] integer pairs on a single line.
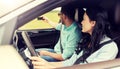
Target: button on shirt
[[70, 36]]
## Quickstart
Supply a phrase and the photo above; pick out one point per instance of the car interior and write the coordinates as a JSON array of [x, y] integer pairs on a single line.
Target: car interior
[[47, 38], [12, 62]]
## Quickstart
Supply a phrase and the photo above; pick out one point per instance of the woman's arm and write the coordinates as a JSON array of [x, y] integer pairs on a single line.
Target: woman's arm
[[39, 63]]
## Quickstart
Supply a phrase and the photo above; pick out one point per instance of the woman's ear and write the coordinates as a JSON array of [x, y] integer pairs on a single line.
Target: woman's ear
[[93, 23]]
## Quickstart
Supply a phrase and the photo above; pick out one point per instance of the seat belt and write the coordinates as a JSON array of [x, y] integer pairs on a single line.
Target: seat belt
[[61, 48], [84, 57]]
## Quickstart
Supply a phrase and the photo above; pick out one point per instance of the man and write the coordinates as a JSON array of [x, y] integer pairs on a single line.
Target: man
[[70, 34]]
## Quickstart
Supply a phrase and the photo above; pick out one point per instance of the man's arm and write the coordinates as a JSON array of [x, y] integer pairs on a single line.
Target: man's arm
[[45, 19], [54, 55]]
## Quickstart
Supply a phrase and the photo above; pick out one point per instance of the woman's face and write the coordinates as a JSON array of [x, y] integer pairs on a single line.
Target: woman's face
[[87, 24]]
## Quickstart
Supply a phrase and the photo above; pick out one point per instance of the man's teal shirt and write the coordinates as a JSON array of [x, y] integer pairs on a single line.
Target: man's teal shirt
[[70, 36]]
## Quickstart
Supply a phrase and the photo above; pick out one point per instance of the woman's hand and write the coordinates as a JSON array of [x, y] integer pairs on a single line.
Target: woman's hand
[[39, 63]]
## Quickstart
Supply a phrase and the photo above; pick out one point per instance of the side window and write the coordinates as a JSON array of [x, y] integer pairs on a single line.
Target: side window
[[39, 24]]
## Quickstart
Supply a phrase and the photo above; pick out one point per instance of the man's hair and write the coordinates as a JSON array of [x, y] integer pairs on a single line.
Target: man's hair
[[69, 11]]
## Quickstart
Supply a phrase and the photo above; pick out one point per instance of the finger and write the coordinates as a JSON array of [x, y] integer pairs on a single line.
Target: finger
[[39, 59], [35, 58], [43, 17], [36, 63], [39, 67], [42, 67]]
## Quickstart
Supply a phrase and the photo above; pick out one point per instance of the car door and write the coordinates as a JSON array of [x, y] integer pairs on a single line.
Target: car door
[[40, 38], [44, 38]]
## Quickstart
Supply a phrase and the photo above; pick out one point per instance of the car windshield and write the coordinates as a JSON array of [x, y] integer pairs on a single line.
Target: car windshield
[[9, 6], [40, 24]]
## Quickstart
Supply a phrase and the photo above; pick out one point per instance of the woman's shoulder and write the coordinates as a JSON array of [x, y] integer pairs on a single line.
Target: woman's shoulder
[[108, 42], [105, 38]]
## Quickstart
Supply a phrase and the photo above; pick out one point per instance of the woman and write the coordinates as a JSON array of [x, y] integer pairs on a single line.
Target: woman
[[91, 49]]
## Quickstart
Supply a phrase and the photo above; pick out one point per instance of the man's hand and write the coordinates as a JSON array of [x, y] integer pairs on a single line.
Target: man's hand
[[53, 55], [46, 20], [43, 53]]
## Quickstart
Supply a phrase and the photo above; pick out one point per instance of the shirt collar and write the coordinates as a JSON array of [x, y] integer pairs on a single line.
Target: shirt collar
[[70, 27]]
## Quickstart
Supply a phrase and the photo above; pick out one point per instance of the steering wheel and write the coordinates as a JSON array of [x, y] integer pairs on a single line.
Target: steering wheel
[[29, 44]]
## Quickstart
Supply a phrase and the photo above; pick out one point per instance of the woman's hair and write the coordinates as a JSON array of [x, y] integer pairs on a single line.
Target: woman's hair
[[91, 43], [101, 27]]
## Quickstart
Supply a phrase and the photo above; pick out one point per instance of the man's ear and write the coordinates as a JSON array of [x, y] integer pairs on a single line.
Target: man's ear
[[64, 16]]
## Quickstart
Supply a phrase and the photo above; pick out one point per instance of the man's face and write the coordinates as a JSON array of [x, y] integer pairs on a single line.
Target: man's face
[[61, 15]]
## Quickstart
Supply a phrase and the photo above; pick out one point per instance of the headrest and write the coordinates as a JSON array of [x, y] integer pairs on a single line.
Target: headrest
[[79, 12], [117, 13], [76, 15]]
